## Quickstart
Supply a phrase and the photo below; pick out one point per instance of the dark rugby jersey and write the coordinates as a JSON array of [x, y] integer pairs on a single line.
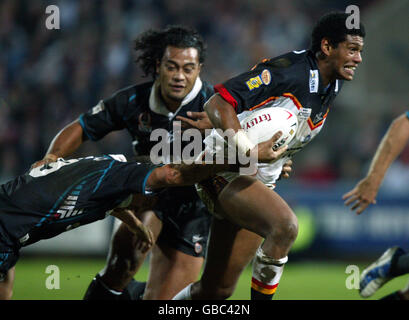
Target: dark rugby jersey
[[64, 194], [130, 109], [294, 75], [291, 81]]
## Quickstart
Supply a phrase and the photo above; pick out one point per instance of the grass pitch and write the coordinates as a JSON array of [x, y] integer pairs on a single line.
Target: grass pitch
[[300, 280]]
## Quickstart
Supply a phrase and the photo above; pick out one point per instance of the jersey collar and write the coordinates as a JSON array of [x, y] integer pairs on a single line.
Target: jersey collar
[[156, 104]]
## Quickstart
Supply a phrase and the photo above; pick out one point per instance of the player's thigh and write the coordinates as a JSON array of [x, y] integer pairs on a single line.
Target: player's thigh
[[250, 204], [6, 285], [170, 271], [230, 250]]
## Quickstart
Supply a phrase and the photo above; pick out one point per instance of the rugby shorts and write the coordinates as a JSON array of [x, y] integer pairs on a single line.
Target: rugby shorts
[[186, 221]]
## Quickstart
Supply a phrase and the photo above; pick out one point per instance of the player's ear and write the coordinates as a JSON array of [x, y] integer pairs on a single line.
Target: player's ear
[[157, 67], [325, 46], [172, 175]]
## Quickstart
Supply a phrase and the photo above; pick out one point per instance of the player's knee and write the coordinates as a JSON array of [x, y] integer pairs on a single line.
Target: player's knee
[[286, 231], [220, 293], [6, 294], [123, 266], [223, 293], [214, 291]]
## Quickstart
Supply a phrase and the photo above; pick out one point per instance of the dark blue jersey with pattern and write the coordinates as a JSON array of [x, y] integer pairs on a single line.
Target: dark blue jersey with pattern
[[130, 109], [62, 195]]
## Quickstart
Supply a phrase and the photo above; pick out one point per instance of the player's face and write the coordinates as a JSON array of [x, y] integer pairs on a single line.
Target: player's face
[[346, 57], [178, 71]]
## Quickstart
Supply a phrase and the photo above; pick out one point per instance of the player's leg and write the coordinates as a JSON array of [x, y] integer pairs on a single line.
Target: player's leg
[[124, 260], [253, 206], [231, 249], [179, 254], [6, 284], [170, 271]]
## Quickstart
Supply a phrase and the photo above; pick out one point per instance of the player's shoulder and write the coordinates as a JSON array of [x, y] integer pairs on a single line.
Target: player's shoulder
[[291, 60], [132, 92], [207, 90], [289, 69]]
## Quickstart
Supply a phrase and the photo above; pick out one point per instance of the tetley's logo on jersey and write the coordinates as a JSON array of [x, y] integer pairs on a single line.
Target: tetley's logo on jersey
[[263, 78]]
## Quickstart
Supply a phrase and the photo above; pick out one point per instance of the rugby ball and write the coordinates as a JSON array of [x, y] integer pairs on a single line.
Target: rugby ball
[[261, 125]]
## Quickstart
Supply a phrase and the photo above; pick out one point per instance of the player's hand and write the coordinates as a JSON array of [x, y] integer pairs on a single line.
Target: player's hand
[[47, 159], [265, 151], [198, 120], [286, 170], [362, 195], [144, 235]]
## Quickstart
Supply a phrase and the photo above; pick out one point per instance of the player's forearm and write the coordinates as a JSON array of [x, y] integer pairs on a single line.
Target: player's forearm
[[66, 141], [223, 116], [190, 174], [221, 113], [173, 175], [390, 147], [127, 216]]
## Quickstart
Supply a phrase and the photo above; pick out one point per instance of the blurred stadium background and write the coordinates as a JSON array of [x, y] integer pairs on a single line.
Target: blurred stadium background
[[49, 77]]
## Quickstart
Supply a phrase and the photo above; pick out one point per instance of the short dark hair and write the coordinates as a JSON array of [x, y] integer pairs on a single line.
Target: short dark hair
[[152, 44], [333, 27]]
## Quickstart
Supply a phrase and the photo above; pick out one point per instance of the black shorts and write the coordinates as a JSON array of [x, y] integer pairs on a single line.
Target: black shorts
[[8, 259], [9, 254], [186, 221]]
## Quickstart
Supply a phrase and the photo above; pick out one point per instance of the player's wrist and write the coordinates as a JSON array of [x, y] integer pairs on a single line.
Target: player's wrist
[[242, 142], [374, 178]]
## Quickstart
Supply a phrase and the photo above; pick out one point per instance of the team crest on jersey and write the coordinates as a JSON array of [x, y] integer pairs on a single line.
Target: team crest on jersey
[[144, 122], [266, 77], [263, 78]]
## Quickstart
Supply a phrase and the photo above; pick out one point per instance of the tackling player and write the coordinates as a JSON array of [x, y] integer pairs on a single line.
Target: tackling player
[[66, 194], [180, 221], [394, 261], [253, 220]]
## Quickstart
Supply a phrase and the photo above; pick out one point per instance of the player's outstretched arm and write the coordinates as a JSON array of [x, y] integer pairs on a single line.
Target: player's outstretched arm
[[173, 175], [392, 144], [64, 143]]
